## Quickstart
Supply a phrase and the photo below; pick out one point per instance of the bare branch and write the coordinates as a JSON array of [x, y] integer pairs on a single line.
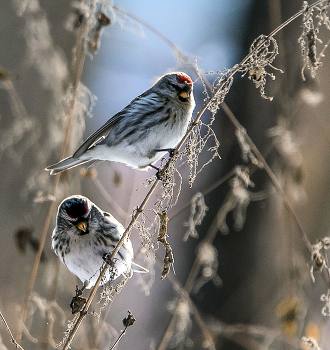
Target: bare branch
[[17, 346], [127, 322]]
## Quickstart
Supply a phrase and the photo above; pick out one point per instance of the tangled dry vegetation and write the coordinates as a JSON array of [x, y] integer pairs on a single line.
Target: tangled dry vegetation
[[151, 218]]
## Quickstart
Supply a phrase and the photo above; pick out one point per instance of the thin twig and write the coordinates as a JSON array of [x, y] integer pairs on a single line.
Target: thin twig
[[229, 113], [185, 294], [17, 346], [193, 124], [127, 322], [272, 177], [83, 312], [224, 330], [188, 286], [207, 191], [126, 234], [120, 336]]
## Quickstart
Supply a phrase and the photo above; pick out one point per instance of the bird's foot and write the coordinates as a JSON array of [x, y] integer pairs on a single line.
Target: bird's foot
[[106, 258], [171, 151], [158, 171]]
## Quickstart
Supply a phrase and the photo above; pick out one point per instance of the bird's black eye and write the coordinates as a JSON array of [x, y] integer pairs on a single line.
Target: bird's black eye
[[76, 209]]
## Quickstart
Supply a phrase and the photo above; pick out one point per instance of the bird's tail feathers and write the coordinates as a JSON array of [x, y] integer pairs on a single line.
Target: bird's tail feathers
[[94, 162], [65, 164], [136, 268]]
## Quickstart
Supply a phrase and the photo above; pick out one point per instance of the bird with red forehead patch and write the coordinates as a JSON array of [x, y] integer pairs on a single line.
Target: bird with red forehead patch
[[144, 131], [83, 238]]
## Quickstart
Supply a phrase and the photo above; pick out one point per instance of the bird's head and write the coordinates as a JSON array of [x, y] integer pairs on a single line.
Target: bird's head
[[178, 85], [76, 210]]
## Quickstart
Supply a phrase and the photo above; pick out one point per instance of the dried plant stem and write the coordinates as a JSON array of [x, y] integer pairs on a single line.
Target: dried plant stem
[[225, 330], [261, 159], [77, 69], [207, 191], [117, 341], [187, 287], [185, 294], [83, 312], [292, 18], [127, 322], [126, 233], [17, 346], [193, 124], [272, 177], [229, 113]]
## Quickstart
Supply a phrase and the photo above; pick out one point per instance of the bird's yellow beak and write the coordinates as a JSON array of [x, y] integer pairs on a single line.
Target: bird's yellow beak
[[184, 94], [82, 226]]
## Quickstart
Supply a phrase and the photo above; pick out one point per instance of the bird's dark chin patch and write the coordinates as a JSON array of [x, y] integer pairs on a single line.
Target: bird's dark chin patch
[[82, 233], [183, 99]]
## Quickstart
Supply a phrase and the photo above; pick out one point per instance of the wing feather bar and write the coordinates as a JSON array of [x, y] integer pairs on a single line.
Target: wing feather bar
[[96, 135], [139, 101]]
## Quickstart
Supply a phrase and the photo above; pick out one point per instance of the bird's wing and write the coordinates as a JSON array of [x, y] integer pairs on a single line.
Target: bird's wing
[[97, 134], [138, 103]]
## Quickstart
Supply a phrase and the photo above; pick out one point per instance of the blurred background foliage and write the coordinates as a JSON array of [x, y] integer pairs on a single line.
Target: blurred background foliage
[[254, 290]]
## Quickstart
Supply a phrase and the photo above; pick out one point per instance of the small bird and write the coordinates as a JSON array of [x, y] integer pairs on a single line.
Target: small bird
[[84, 235], [141, 133]]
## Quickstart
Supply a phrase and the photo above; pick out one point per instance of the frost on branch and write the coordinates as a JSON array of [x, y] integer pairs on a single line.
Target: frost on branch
[[17, 140], [168, 198], [201, 135], [84, 102], [311, 343], [263, 51], [146, 233], [319, 262], [67, 332], [309, 40], [285, 144], [78, 15], [326, 309], [220, 89], [122, 18], [238, 200], [197, 214], [109, 291]]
